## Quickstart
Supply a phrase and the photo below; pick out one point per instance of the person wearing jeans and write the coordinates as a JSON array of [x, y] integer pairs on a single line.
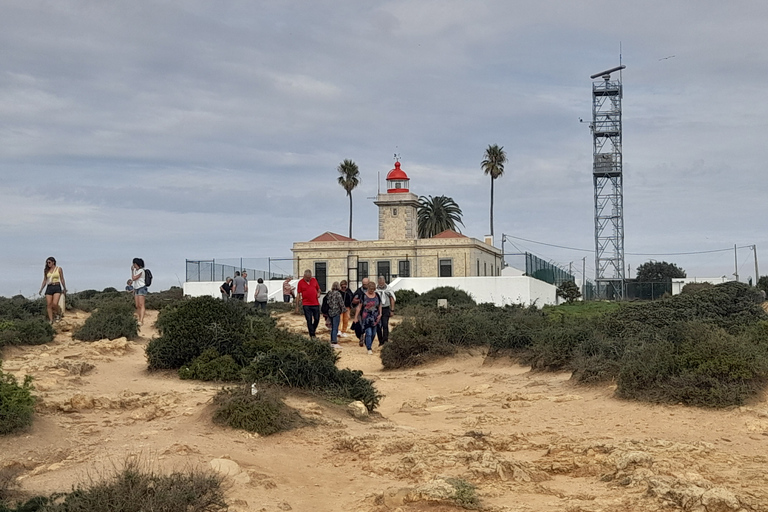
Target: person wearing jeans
[[335, 308], [309, 291], [369, 313], [387, 297]]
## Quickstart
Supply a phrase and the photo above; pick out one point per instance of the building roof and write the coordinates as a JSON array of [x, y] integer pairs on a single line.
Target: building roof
[[397, 173], [449, 233], [332, 237]]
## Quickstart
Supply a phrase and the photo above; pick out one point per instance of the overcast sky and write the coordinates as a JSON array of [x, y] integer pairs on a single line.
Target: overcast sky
[[184, 129]]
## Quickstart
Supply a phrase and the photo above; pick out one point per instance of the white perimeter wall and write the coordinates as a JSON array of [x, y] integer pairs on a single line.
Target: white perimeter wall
[[500, 290]]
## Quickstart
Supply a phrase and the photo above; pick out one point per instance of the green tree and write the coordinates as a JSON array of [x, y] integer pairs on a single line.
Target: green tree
[[658, 271], [493, 165], [349, 180], [569, 291], [436, 214], [762, 283]]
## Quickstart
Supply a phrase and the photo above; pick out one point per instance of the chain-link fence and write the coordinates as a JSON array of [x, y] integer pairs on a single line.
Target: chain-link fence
[[210, 270]]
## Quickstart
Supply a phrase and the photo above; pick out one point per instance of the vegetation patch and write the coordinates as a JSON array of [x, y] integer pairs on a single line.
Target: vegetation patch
[[134, 489], [211, 339], [454, 296], [31, 331], [17, 405], [259, 410], [707, 348], [112, 320]]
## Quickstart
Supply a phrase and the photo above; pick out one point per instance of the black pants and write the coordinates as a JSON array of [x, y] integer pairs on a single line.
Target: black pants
[[382, 330], [312, 314]]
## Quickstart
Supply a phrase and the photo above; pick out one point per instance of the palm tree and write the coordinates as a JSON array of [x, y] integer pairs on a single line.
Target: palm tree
[[493, 164], [349, 179], [437, 214]]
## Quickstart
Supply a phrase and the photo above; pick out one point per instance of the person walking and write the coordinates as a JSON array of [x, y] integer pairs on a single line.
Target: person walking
[[288, 290], [262, 295], [139, 288], [226, 289], [387, 297], [357, 298], [308, 290], [239, 287], [335, 309], [347, 294], [369, 314], [55, 287]]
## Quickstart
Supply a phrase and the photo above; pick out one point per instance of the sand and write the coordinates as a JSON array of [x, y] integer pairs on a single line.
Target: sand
[[527, 441]]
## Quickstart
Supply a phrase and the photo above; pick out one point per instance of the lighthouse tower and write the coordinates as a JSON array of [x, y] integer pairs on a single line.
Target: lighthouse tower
[[398, 208]]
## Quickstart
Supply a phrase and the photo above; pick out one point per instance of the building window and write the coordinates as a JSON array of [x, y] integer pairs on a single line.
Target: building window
[[398, 184], [362, 269], [485, 268], [383, 270], [394, 212], [478, 268], [446, 268], [321, 274], [404, 268]]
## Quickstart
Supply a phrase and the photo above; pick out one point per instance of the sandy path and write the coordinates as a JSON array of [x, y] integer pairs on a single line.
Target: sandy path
[[529, 441]]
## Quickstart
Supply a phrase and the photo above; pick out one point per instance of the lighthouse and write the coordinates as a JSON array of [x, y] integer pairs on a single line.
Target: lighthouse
[[398, 217]]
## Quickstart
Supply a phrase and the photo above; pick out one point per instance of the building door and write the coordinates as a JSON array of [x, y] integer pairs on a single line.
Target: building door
[[382, 269], [321, 274]]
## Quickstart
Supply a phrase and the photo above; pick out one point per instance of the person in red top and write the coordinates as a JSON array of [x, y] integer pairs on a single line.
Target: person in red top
[[309, 290]]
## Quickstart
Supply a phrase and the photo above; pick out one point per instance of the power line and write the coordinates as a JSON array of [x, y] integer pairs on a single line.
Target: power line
[[629, 253]]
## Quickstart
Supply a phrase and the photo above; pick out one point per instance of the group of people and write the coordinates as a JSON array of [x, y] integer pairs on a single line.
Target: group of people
[[237, 289], [55, 287], [369, 308]]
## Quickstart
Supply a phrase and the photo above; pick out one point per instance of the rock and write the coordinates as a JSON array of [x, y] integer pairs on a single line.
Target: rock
[[396, 497], [225, 467], [80, 402], [358, 410], [718, 499], [284, 506]]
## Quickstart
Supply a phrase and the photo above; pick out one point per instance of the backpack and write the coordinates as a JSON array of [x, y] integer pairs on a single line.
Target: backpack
[[147, 277], [324, 308]]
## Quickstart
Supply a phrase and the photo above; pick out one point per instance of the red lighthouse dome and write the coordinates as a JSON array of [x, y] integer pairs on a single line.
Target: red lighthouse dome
[[397, 180]]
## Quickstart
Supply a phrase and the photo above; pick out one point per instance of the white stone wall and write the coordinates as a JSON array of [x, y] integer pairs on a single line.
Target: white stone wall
[[501, 290]]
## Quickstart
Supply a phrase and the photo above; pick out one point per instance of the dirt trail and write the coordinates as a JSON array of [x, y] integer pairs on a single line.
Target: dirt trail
[[528, 441]]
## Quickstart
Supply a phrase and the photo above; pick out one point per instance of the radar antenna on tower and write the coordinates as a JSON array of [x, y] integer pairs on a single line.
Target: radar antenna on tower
[[607, 176]]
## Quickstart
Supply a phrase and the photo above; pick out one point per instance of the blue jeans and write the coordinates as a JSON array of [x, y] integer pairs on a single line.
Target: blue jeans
[[312, 315], [370, 333], [335, 327]]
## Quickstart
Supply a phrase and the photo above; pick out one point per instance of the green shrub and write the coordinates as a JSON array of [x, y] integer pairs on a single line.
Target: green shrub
[[20, 308], [212, 366], [161, 299], [696, 364], [17, 404], [405, 298], [454, 296], [264, 412], [195, 325], [33, 331], [696, 287], [112, 320], [134, 489], [91, 300]]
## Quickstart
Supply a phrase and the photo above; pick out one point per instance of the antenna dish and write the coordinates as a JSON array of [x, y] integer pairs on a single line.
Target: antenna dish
[[608, 71]]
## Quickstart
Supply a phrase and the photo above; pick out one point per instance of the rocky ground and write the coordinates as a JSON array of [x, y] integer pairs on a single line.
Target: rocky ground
[[527, 441]]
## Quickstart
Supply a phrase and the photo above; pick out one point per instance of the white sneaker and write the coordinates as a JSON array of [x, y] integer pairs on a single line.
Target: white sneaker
[[342, 334], [370, 352], [338, 333]]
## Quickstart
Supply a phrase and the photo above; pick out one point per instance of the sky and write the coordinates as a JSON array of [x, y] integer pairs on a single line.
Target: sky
[[185, 129]]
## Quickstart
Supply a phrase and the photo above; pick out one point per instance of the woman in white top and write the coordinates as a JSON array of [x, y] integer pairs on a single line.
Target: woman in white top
[[139, 287], [53, 282]]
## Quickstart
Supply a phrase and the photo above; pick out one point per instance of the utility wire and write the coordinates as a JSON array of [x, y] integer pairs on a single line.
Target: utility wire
[[629, 253]]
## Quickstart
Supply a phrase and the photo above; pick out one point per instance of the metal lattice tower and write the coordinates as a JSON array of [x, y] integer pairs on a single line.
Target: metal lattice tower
[[607, 176]]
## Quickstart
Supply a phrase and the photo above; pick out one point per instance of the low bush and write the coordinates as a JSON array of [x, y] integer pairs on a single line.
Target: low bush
[[20, 308], [454, 296], [17, 405], [32, 331], [91, 300], [405, 298], [263, 412], [696, 287], [211, 339], [212, 366], [134, 489], [112, 320], [161, 299]]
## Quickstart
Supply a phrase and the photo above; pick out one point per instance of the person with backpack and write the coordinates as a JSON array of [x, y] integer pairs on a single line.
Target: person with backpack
[[141, 280], [369, 314]]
